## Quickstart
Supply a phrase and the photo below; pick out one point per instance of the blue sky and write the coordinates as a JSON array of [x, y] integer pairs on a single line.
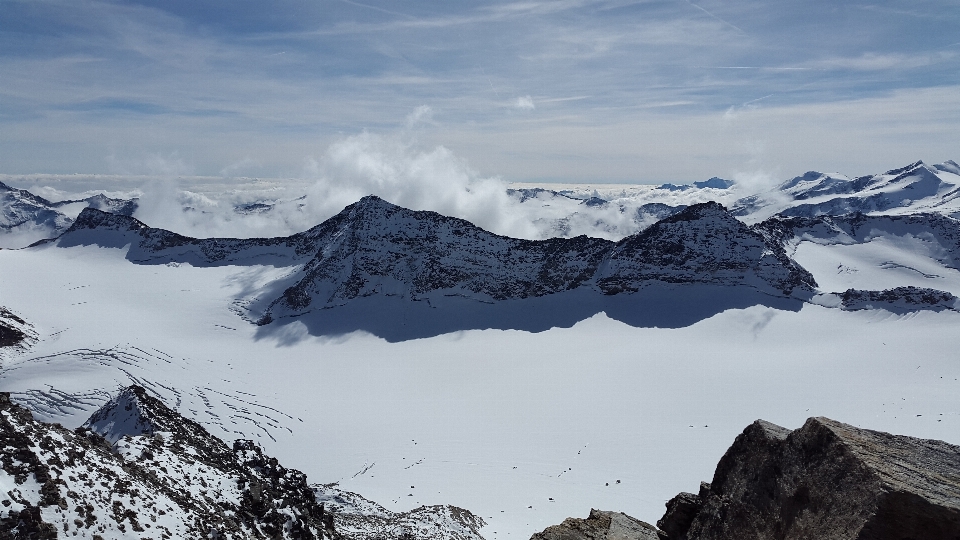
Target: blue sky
[[573, 91]]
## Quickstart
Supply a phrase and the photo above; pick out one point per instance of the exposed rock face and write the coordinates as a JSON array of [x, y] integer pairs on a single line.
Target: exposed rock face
[[899, 299], [139, 470], [16, 334], [382, 249], [360, 519], [826, 480], [701, 244], [600, 525]]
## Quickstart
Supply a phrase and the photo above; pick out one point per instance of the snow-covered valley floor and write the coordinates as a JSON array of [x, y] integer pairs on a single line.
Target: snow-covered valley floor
[[524, 429]]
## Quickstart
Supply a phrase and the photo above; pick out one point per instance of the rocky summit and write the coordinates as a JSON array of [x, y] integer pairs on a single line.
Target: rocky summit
[[600, 525], [826, 480], [138, 469]]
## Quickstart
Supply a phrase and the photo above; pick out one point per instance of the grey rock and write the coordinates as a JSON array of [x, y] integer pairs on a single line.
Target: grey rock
[[600, 525], [898, 299], [826, 480]]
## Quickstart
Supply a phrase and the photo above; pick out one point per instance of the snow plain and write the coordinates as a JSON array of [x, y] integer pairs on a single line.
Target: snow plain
[[522, 428]]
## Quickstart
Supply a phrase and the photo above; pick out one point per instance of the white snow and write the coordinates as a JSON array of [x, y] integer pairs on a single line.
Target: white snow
[[524, 429]]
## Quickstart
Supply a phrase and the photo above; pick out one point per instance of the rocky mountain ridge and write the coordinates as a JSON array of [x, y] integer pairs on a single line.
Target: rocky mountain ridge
[[374, 248], [915, 188], [138, 469], [377, 251]]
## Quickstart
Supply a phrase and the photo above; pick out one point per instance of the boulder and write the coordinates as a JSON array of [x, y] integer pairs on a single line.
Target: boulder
[[826, 480]]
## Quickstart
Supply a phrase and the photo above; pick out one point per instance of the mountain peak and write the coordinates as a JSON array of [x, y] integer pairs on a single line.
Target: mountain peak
[[132, 412], [91, 218]]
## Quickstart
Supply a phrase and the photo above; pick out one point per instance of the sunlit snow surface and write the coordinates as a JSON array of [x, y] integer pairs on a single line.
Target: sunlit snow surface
[[524, 429]]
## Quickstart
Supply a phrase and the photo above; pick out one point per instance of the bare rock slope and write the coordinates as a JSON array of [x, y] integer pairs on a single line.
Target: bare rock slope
[[825, 480]]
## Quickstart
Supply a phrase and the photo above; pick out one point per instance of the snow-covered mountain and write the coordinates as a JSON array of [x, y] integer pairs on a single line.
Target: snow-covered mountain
[[137, 469], [377, 251], [519, 378], [26, 218], [916, 188]]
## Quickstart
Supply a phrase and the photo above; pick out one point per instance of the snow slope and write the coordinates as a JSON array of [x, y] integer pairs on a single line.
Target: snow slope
[[915, 188], [522, 428]]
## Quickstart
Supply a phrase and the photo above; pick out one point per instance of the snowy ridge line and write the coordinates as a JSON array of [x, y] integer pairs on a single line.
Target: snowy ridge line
[[915, 188], [937, 229]]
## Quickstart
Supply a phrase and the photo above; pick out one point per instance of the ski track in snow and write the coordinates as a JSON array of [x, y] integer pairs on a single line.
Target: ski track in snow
[[226, 412]]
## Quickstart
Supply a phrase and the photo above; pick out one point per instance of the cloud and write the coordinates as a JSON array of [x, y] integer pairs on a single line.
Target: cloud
[[399, 170], [152, 164], [245, 164], [524, 102], [421, 115], [881, 62]]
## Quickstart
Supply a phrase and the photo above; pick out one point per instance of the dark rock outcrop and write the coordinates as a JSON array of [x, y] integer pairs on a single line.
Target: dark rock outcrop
[[826, 480], [898, 299], [16, 334], [600, 525]]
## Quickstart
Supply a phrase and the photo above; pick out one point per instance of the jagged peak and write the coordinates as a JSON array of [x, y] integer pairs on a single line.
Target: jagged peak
[[91, 218], [132, 412], [949, 166], [694, 212], [902, 170], [370, 203]]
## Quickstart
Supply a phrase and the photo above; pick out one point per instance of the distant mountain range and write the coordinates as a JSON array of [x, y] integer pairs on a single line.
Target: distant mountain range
[[401, 273], [613, 214]]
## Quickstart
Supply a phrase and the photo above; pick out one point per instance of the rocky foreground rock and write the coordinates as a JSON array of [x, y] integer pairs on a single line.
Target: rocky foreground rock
[[824, 481]]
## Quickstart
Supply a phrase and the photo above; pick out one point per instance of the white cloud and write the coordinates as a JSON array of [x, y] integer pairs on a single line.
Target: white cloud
[[152, 164], [524, 102], [421, 115], [246, 164]]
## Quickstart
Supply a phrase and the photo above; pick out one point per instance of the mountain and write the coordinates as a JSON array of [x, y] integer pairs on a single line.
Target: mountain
[[914, 188], [137, 469], [16, 334], [26, 218], [941, 233], [600, 525], [379, 249], [713, 183]]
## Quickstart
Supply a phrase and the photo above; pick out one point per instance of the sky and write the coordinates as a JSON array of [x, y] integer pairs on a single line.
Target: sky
[[526, 91]]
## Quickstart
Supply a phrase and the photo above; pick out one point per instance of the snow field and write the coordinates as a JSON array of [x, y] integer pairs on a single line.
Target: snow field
[[498, 422]]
